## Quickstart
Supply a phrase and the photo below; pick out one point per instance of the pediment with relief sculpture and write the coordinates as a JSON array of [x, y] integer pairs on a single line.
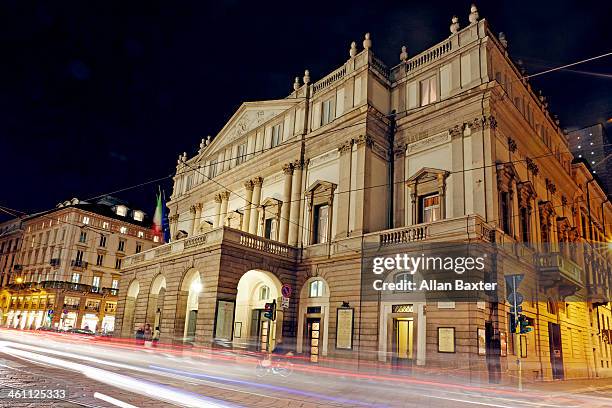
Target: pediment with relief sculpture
[[248, 117]]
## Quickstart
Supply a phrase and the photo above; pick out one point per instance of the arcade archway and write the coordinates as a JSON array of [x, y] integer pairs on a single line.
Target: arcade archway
[[155, 304], [187, 306], [127, 328], [251, 328]]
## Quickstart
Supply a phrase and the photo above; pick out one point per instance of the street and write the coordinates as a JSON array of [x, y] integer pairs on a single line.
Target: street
[[103, 373]]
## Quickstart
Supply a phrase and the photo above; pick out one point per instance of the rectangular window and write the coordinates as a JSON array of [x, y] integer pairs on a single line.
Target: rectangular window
[[316, 288], [103, 241], [138, 247], [83, 237], [270, 228], [105, 225], [86, 220], [327, 112], [95, 282], [428, 91], [321, 217], [115, 284], [121, 245], [100, 260], [79, 256], [242, 152], [276, 135], [189, 183], [430, 208], [76, 277], [123, 230], [525, 225], [505, 211], [118, 263]]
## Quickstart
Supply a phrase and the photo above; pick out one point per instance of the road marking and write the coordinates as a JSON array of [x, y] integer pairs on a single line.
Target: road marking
[[113, 401], [150, 389]]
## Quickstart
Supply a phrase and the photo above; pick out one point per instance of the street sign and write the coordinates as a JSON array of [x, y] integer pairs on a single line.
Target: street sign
[[513, 282], [284, 302], [515, 299], [286, 290]]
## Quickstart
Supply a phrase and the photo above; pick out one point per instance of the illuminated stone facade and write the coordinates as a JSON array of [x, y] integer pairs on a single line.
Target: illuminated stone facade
[[450, 145]]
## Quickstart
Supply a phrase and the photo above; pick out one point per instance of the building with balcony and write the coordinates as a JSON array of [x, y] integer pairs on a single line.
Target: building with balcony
[[291, 199], [11, 234], [70, 264]]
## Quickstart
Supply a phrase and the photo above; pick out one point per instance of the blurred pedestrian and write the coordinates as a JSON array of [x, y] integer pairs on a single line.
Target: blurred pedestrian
[[156, 334], [140, 335], [148, 335]]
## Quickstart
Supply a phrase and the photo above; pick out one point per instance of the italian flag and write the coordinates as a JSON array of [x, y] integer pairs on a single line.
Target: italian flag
[[157, 218]]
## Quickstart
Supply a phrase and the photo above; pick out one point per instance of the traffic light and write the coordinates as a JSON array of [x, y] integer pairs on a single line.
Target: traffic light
[[512, 323], [524, 324], [270, 310], [519, 309]]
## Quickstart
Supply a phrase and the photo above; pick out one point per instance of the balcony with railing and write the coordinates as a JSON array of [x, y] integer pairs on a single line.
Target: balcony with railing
[[110, 291], [78, 264], [557, 270], [218, 236]]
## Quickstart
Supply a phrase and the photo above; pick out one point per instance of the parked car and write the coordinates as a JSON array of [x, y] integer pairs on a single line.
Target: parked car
[[46, 328], [81, 331]]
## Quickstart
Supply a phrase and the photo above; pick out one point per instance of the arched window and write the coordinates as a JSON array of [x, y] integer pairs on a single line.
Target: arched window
[[264, 293], [316, 288]]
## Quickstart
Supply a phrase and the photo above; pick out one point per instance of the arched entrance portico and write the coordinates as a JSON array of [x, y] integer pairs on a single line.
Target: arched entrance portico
[[127, 328], [251, 328], [187, 306], [155, 304]]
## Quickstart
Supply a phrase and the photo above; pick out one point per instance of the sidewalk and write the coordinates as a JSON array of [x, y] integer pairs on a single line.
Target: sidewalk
[[572, 385]]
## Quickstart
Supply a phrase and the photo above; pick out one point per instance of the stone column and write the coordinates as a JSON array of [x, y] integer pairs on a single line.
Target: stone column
[[442, 193], [344, 190], [223, 213], [399, 188], [283, 235], [192, 210], [363, 175], [246, 219], [198, 215], [257, 182], [173, 220], [296, 197], [515, 221], [536, 238], [217, 211]]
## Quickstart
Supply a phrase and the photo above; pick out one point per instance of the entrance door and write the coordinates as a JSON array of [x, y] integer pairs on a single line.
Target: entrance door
[[556, 351], [191, 325], [254, 340], [264, 339], [313, 336], [403, 342], [493, 353]]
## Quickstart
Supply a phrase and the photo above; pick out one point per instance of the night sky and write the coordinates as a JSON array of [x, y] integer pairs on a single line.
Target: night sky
[[98, 96]]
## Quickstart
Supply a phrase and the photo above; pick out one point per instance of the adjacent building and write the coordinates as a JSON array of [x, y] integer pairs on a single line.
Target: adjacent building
[[66, 270], [11, 234], [291, 199]]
